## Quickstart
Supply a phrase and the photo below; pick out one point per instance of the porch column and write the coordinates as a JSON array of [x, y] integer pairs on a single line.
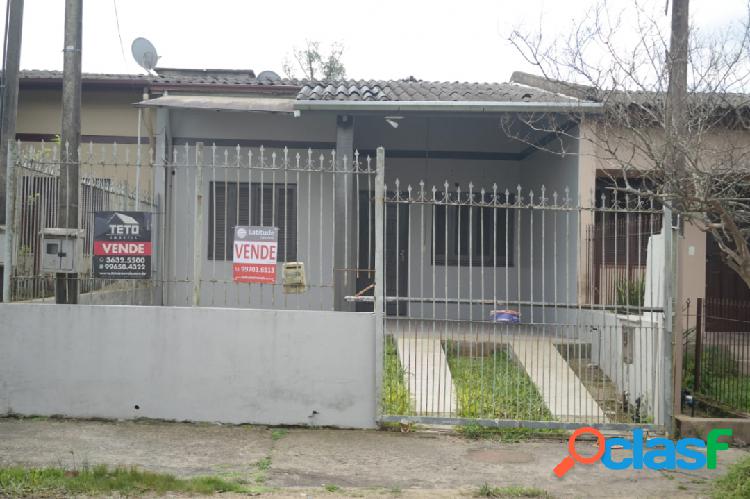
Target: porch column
[[344, 197], [160, 221]]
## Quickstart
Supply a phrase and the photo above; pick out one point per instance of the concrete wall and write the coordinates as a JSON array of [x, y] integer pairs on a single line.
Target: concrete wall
[[196, 364]]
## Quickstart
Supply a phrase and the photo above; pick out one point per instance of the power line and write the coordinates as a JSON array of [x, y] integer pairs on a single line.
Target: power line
[[119, 35]]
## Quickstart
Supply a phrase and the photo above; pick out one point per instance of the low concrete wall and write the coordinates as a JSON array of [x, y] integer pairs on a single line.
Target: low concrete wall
[[699, 427], [197, 364]]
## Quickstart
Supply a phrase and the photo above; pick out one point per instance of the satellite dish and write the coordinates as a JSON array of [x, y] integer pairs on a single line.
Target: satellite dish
[[269, 76], [144, 54]]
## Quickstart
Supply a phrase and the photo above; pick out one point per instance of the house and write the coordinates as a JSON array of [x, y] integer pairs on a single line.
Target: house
[[483, 211]]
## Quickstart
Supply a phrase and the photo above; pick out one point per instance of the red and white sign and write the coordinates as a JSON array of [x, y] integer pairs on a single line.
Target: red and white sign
[[254, 254]]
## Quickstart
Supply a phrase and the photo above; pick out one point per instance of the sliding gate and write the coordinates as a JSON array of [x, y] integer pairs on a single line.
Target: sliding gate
[[501, 308]]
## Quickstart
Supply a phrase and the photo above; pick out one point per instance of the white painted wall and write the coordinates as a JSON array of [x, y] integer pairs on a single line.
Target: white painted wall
[[195, 364]]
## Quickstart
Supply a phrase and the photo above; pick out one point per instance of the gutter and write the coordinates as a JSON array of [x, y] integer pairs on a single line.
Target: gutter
[[454, 106]]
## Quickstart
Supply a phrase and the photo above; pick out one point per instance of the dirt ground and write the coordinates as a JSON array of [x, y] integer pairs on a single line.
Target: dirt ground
[[360, 463]]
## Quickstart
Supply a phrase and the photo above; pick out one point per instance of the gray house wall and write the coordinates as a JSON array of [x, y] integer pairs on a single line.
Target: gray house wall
[[501, 163]]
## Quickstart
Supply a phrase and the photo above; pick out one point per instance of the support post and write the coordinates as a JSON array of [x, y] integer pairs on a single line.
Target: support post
[[66, 285], [9, 91], [344, 213], [10, 198], [198, 226], [379, 305], [160, 182], [698, 346]]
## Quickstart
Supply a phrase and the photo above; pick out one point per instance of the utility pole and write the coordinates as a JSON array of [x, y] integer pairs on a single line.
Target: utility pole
[[9, 91], [676, 124], [66, 285]]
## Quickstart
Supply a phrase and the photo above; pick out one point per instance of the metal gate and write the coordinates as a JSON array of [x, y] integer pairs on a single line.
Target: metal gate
[[516, 307]]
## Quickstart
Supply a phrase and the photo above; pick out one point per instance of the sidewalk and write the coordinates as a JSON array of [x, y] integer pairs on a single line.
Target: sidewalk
[[362, 463]]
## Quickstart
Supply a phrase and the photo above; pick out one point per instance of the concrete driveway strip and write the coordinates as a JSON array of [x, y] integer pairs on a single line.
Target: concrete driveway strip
[[305, 459]]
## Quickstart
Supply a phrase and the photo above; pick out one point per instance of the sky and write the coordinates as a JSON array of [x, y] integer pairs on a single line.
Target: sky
[[462, 40]]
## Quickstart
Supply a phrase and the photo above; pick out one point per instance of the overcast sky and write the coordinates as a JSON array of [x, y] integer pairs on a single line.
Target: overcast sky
[[462, 40]]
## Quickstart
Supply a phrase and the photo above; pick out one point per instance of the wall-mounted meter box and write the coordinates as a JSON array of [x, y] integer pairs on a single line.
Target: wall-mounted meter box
[[62, 250], [294, 277]]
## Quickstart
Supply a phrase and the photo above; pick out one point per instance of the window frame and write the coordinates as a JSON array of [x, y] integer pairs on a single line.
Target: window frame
[[241, 207], [454, 211]]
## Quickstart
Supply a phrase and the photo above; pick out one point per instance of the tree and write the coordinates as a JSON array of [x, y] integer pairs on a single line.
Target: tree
[[314, 64], [688, 149]]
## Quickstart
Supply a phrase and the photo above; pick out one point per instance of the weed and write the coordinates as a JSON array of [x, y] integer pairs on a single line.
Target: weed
[[278, 433], [264, 464], [736, 483], [513, 491], [510, 435], [331, 487], [100, 480], [396, 399]]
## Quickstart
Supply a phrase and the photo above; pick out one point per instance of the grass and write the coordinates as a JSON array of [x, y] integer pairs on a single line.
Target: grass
[[736, 483], [489, 491], [510, 435], [331, 487], [493, 386], [396, 401], [278, 434], [721, 380], [101, 480]]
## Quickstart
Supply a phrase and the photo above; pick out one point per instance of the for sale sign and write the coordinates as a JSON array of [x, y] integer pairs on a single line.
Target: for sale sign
[[122, 245], [254, 254]]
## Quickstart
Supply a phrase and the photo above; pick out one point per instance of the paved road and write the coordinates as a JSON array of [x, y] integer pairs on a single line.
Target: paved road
[[421, 464]]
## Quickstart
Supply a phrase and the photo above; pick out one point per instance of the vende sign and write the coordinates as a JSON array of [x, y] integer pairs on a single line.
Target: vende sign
[[122, 245], [254, 254]]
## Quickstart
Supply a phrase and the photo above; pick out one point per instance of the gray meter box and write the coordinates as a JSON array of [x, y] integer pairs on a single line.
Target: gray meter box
[[62, 250]]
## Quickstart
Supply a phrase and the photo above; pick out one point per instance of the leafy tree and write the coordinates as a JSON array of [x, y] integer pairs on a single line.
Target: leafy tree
[[314, 64]]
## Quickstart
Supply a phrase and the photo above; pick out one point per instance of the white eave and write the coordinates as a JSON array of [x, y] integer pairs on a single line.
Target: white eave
[[222, 103]]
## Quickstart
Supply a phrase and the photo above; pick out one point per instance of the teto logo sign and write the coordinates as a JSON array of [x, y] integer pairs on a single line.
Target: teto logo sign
[[654, 453]]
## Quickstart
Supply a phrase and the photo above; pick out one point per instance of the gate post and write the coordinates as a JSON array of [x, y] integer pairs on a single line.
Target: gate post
[[698, 348], [379, 275], [10, 198], [668, 333], [198, 225]]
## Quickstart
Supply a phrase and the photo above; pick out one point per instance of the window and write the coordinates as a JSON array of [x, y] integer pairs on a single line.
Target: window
[[232, 203], [473, 236]]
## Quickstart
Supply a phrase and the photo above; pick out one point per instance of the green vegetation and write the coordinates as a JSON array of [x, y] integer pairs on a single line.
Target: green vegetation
[[630, 292], [510, 435], [721, 379], [396, 400], [100, 480], [489, 491], [331, 487], [736, 483], [493, 386], [278, 433], [264, 464]]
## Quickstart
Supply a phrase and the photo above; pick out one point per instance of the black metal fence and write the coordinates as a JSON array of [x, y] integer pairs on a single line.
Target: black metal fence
[[716, 353]]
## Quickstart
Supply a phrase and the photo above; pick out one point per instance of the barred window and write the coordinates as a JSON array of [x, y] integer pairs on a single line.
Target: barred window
[[474, 234], [239, 203]]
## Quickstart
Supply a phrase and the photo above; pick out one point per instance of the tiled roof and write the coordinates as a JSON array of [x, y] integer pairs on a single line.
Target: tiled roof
[[169, 77], [418, 90], [44, 74]]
